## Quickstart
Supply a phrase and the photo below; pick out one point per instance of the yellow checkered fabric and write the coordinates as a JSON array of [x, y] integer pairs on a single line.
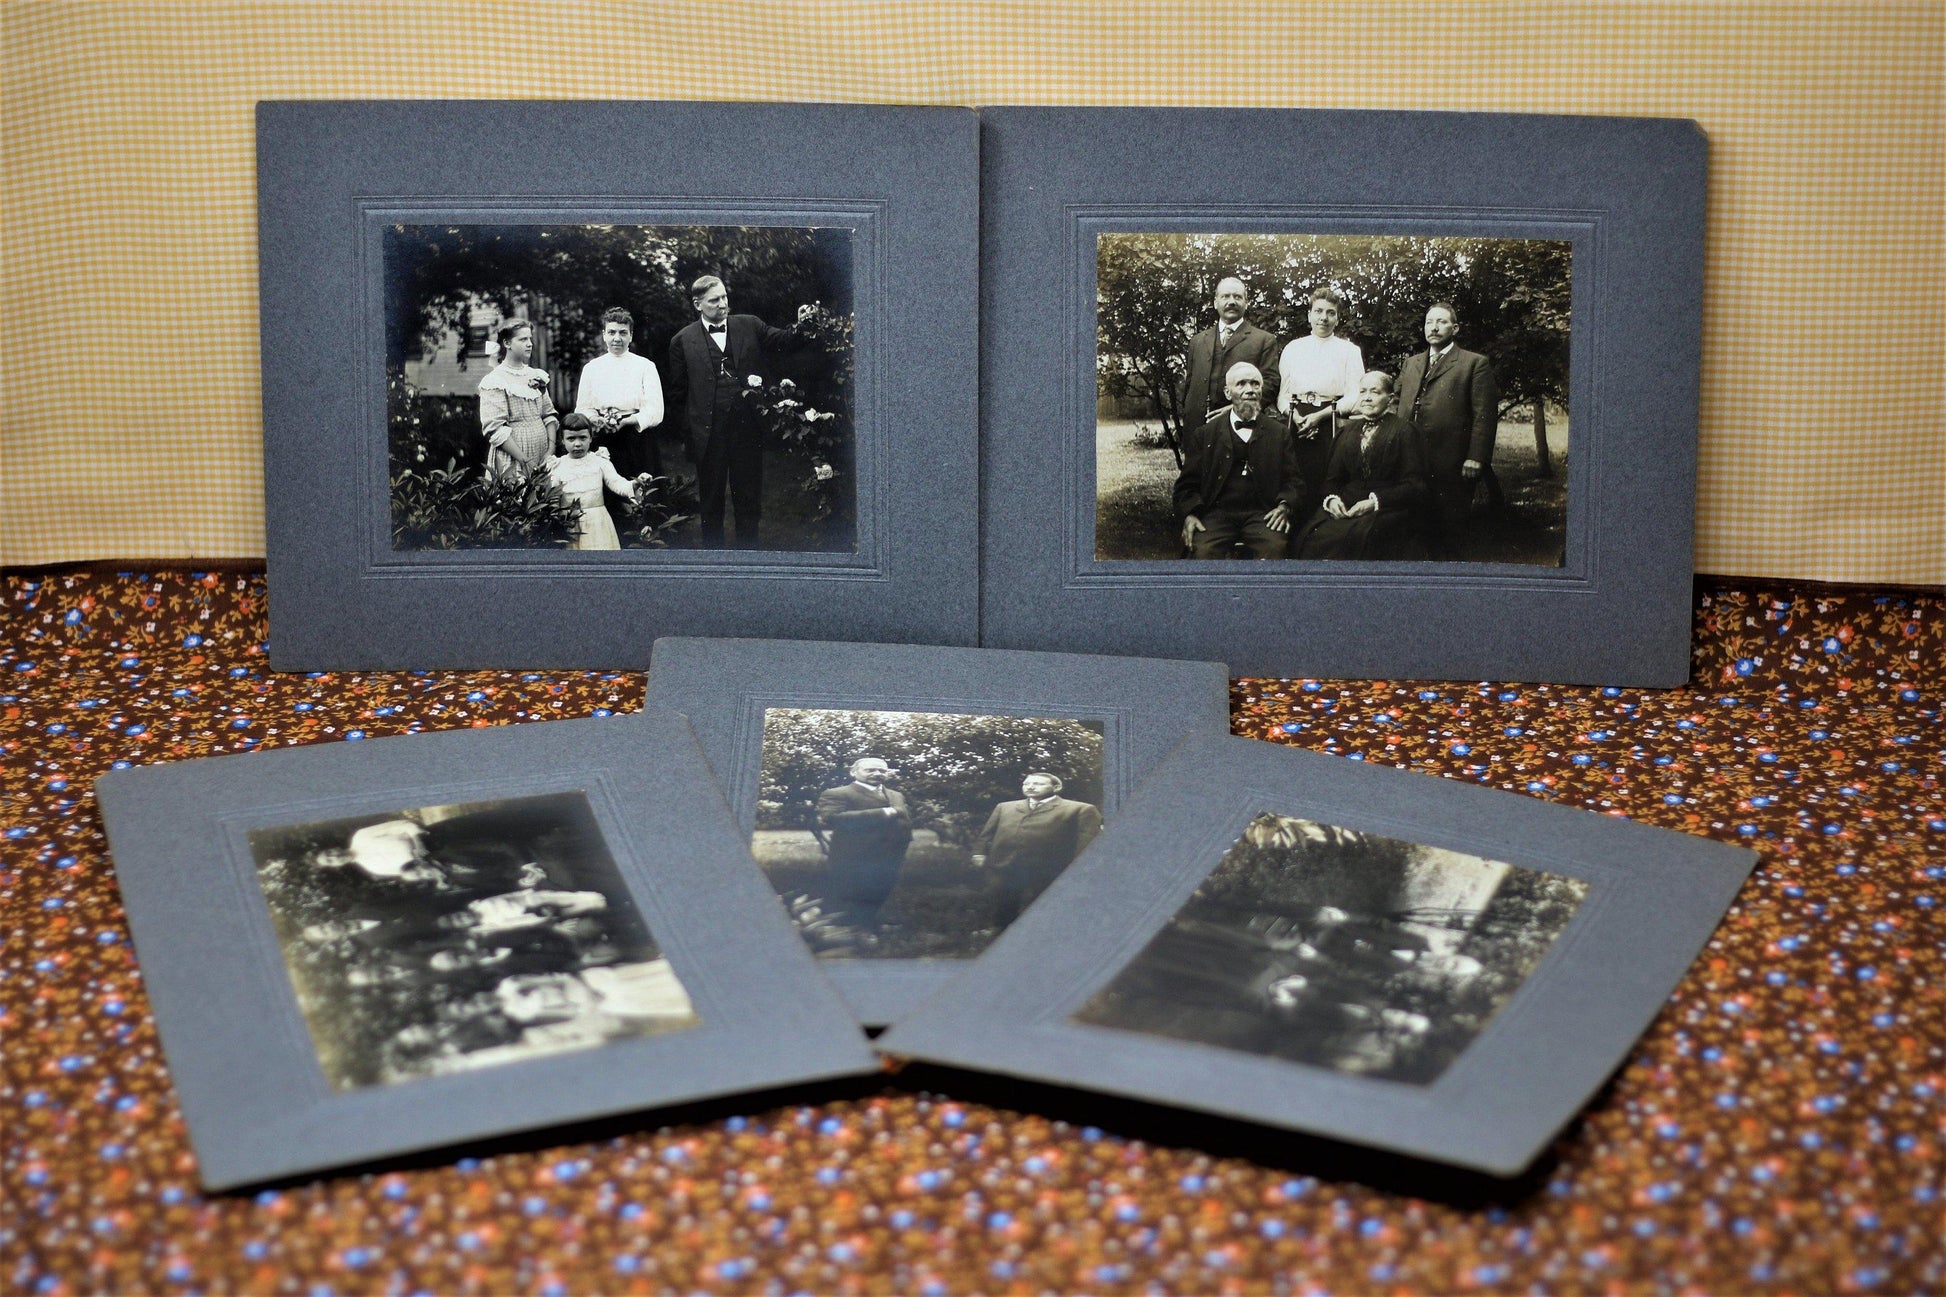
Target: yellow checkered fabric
[[131, 413]]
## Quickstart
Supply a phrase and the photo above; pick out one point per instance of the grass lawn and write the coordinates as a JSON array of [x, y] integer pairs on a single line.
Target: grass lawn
[[1134, 518], [942, 908]]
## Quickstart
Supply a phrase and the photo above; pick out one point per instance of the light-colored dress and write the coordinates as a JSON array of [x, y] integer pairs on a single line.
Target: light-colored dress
[[517, 400], [581, 480]]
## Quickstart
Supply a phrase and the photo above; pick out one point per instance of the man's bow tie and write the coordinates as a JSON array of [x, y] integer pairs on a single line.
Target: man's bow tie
[[714, 328], [1244, 423]]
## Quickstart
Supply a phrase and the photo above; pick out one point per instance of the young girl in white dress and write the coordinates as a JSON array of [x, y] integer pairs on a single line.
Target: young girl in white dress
[[582, 476]]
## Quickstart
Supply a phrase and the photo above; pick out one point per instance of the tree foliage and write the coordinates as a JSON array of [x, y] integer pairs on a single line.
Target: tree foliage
[[434, 274], [952, 769], [1154, 293]]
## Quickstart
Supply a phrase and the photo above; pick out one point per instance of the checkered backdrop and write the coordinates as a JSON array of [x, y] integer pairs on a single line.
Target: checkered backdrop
[[127, 210]]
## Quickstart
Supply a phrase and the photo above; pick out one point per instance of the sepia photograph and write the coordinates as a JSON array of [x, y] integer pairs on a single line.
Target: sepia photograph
[[609, 387], [439, 939], [1332, 397], [920, 835], [1321, 945]]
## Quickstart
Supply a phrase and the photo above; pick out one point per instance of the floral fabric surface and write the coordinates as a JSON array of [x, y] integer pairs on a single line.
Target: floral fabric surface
[[1779, 1128]]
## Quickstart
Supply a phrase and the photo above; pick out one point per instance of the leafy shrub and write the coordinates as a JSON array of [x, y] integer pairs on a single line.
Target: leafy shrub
[[815, 426], [660, 505], [463, 508]]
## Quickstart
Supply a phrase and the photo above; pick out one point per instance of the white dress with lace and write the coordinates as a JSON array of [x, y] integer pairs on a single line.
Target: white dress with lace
[[581, 480]]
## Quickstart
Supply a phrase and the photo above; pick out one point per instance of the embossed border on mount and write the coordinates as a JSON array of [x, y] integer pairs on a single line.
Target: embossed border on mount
[[864, 221], [723, 686], [1582, 230], [1654, 898], [1627, 193], [244, 1066], [904, 179]]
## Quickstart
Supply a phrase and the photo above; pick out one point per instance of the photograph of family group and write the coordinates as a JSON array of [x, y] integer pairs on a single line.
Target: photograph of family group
[[920, 835], [1322, 945], [608, 387], [1315, 397], [446, 938]]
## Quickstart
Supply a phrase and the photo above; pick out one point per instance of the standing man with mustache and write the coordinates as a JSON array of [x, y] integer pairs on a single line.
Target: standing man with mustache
[[1449, 395], [711, 363], [1232, 339], [1239, 482]]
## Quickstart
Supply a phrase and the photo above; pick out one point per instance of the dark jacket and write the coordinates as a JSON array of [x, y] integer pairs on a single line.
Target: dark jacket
[[1204, 392], [1208, 460], [1049, 837], [691, 372], [1457, 412], [1393, 467], [861, 832]]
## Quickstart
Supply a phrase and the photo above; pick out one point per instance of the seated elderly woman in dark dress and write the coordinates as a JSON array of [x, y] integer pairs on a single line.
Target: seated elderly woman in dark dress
[[1374, 485]]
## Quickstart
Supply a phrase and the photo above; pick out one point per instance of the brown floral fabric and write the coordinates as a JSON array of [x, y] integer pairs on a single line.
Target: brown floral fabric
[[1779, 1128]]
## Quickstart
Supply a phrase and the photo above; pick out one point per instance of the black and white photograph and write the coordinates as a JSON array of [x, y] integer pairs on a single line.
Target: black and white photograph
[[1332, 397], [1351, 951], [920, 835], [611, 387], [440, 939]]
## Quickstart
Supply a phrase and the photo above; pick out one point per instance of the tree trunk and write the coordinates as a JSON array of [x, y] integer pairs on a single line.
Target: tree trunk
[[1540, 438]]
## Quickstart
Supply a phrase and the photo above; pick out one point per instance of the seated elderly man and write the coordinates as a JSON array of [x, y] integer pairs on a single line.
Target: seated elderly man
[[1239, 483]]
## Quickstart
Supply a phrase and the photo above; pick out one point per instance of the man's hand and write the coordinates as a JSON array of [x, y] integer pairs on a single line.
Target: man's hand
[[1278, 519], [1470, 469], [1190, 526]]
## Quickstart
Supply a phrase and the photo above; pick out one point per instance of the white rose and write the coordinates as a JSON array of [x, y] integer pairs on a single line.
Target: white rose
[[787, 385], [787, 405], [810, 415], [824, 472], [755, 380]]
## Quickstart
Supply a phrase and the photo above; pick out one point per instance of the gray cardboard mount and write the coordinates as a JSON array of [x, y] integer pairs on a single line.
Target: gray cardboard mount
[[724, 687], [257, 1101], [1654, 899], [331, 176], [1627, 193]]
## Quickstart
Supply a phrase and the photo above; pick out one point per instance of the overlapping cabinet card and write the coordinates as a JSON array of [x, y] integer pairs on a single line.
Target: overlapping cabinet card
[[909, 803], [1378, 957], [543, 381], [1410, 395], [358, 950]]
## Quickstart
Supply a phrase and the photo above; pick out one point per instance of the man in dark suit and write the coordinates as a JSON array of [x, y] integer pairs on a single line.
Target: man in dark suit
[[1450, 397], [1029, 842], [712, 363], [870, 830], [1211, 353], [1239, 480]]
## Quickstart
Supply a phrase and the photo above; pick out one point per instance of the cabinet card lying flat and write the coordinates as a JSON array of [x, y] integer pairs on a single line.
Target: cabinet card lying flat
[[1374, 956], [357, 950], [908, 804]]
